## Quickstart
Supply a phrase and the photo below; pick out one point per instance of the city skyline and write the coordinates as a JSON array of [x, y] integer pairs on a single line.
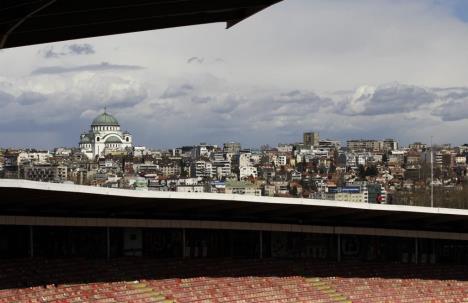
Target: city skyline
[[261, 82]]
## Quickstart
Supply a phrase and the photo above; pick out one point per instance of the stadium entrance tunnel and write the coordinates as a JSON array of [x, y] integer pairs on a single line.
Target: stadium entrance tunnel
[[178, 243]]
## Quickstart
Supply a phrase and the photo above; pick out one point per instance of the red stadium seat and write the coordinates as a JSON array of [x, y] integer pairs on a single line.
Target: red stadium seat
[[140, 280]]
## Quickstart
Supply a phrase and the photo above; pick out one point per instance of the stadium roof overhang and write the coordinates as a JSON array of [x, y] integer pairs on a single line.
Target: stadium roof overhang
[[27, 22], [27, 198]]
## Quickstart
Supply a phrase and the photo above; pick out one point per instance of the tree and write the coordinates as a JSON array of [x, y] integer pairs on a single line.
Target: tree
[[362, 171], [322, 169], [384, 158], [372, 171], [332, 168], [293, 191]]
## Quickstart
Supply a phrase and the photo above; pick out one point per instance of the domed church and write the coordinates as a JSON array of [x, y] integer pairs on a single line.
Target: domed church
[[104, 136]]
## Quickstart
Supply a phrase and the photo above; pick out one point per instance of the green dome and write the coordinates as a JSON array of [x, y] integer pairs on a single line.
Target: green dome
[[105, 119], [113, 139], [85, 139]]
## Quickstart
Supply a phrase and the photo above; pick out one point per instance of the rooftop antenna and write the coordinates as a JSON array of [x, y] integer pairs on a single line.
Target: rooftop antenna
[[105, 109]]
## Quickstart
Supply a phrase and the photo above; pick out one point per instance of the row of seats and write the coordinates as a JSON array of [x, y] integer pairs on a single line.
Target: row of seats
[[140, 280]]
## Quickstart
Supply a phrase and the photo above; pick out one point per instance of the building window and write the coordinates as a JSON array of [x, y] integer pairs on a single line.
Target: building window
[[128, 139], [98, 139]]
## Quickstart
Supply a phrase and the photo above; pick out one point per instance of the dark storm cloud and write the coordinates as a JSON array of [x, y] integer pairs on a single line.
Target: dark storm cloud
[[293, 106], [201, 100], [177, 91], [67, 50], [452, 111], [447, 89], [299, 100], [104, 66], [457, 95], [398, 99], [226, 105], [201, 60], [195, 60], [389, 99], [454, 106], [30, 98], [292, 93], [6, 98], [127, 99], [25, 98], [33, 110], [50, 53], [81, 49]]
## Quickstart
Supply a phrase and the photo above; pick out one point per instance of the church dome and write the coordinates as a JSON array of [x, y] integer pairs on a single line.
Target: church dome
[[85, 139], [113, 139], [105, 119]]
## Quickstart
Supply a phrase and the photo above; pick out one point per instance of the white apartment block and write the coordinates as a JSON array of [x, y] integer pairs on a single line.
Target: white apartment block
[[33, 157], [244, 159], [365, 145], [247, 171], [223, 168], [204, 169]]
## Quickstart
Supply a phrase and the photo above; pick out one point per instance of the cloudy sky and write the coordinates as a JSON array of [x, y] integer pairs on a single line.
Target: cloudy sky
[[347, 69]]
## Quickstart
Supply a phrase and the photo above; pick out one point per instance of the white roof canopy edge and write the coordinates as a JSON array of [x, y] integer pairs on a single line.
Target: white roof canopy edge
[[58, 187]]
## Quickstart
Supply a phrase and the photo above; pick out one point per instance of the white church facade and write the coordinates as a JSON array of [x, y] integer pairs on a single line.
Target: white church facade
[[104, 137]]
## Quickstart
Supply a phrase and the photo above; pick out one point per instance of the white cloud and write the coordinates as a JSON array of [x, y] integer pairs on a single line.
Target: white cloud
[[299, 65]]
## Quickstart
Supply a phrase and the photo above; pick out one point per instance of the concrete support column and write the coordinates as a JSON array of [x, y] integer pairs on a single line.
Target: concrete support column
[[416, 250], [261, 244], [183, 243], [108, 248], [338, 252], [231, 244], [31, 241]]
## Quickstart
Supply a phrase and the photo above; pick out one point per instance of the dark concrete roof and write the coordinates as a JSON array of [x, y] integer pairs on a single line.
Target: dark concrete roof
[[26, 22]]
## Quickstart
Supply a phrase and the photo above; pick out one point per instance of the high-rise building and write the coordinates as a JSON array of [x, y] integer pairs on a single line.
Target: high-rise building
[[231, 147], [311, 139], [390, 144]]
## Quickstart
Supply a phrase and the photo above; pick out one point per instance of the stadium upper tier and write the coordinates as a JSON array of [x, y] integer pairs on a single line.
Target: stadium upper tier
[[29, 198], [25, 22]]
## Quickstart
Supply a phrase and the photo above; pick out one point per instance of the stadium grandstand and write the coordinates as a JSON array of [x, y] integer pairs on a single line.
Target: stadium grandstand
[[72, 243]]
